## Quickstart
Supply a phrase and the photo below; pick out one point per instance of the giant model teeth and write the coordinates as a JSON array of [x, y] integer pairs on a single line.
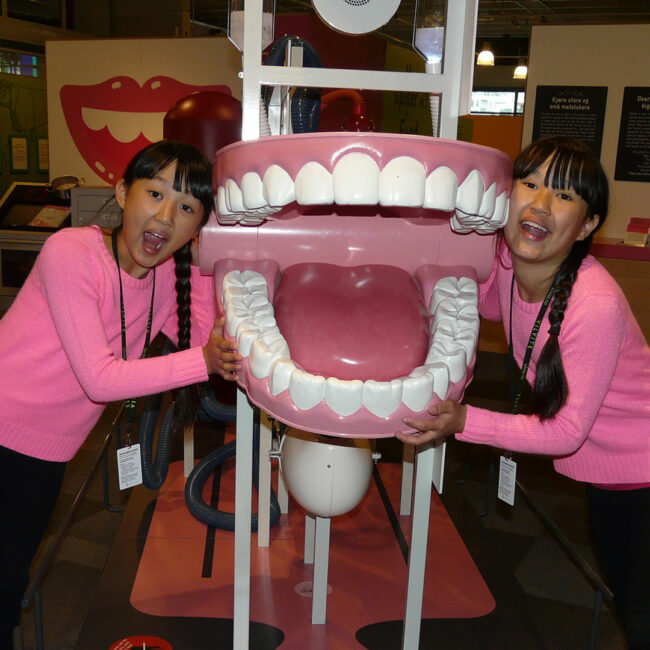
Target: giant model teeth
[[440, 190], [314, 185], [402, 182], [357, 180], [454, 335]]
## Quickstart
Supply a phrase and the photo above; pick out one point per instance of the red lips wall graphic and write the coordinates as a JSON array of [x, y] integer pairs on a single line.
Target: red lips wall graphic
[[104, 154]]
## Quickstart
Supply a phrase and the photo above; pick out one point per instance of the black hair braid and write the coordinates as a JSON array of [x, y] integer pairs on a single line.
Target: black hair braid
[[551, 390], [185, 398]]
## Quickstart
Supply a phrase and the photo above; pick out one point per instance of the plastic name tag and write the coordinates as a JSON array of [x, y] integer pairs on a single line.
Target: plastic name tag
[[507, 479], [129, 466]]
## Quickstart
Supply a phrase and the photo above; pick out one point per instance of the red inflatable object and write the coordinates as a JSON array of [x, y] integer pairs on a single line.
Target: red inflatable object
[[208, 119]]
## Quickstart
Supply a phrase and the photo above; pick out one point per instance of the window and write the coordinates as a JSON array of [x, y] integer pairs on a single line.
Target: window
[[499, 102], [29, 65], [45, 12]]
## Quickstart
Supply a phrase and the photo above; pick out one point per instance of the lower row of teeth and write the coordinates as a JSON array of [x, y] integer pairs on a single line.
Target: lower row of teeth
[[453, 337]]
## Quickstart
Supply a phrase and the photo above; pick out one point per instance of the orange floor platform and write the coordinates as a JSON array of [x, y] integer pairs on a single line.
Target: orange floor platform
[[170, 577]]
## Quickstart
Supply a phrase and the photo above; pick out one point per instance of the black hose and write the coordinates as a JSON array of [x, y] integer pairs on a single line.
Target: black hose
[[154, 473], [305, 102], [199, 475]]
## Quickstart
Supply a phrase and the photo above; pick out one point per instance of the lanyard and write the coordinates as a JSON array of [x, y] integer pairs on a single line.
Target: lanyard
[[515, 390], [129, 404]]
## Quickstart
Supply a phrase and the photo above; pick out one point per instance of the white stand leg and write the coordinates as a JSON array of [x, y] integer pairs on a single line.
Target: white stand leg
[[418, 549], [188, 450], [310, 538], [243, 499], [264, 483], [321, 566], [283, 494], [408, 455]]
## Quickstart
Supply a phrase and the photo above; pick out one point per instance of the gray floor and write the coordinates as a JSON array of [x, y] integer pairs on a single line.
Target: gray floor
[[550, 580]]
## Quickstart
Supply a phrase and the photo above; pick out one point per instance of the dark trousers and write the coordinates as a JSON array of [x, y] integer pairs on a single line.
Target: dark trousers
[[620, 522], [29, 488]]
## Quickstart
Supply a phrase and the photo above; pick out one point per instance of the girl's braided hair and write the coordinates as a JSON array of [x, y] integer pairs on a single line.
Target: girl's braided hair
[[193, 175], [571, 164]]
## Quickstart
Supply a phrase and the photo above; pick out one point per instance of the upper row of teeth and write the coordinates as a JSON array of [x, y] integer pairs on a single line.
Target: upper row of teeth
[[454, 334], [357, 180]]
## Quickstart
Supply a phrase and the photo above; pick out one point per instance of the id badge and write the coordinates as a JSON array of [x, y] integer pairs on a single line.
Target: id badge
[[507, 480], [129, 466]]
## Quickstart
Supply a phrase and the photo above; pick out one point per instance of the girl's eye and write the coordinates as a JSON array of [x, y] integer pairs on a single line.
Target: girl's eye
[[565, 197], [155, 194], [186, 208], [529, 184]]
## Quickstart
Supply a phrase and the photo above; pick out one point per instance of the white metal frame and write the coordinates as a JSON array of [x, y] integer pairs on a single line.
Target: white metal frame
[[454, 84]]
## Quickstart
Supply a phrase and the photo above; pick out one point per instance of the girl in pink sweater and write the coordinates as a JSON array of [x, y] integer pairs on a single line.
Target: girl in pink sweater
[[73, 341], [589, 365]]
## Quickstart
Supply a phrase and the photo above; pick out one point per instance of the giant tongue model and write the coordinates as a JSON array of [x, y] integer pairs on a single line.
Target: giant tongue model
[[348, 274]]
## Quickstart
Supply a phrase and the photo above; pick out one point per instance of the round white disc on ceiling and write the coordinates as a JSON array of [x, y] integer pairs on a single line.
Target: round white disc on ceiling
[[355, 16]]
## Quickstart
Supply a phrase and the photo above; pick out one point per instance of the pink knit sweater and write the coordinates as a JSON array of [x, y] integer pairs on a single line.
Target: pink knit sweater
[[602, 434], [60, 346]]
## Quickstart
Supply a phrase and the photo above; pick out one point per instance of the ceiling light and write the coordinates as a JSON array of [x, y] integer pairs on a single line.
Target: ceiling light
[[485, 56], [521, 71]]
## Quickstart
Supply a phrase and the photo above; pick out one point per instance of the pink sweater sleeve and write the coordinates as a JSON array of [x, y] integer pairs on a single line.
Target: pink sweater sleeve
[[81, 303], [590, 339]]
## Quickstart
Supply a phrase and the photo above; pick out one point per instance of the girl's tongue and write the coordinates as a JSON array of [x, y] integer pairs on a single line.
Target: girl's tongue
[[151, 242], [534, 231]]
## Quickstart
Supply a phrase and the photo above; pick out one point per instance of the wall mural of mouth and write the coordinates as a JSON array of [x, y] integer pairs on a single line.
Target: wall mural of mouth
[[110, 121], [311, 223]]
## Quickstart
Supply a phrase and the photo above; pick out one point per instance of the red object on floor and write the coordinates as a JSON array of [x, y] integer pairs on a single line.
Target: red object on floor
[[367, 572], [141, 643]]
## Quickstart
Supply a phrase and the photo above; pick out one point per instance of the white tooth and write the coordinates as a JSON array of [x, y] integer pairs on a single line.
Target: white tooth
[[265, 322], [465, 334], [262, 356], [276, 341], [470, 194], [356, 180], [278, 187], [452, 355], [234, 317], [124, 126], [469, 286], [247, 334], [234, 200], [233, 293], [259, 311], [257, 298], [255, 282], [440, 190], [382, 398], [222, 208], [501, 207], [440, 373], [280, 375], [488, 202], [306, 390], [233, 277], [418, 389], [459, 224], [445, 288], [252, 191], [251, 220], [401, 182], [314, 185], [344, 397]]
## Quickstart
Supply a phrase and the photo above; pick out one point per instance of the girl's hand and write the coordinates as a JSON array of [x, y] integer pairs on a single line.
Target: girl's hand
[[221, 355], [449, 419]]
